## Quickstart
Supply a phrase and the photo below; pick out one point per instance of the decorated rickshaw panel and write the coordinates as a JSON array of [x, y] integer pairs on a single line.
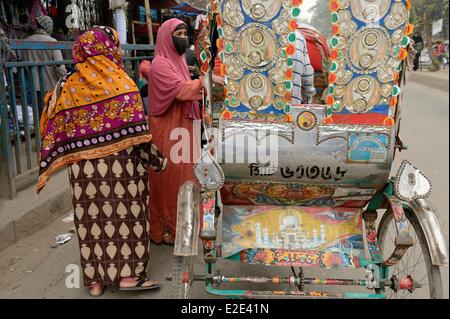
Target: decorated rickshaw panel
[[369, 43], [318, 237], [257, 38], [311, 164]]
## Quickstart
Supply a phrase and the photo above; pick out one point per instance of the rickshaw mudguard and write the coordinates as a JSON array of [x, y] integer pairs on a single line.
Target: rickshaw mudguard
[[432, 228], [187, 232], [426, 215]]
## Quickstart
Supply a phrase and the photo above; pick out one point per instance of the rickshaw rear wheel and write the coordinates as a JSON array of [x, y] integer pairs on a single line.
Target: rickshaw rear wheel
[[415, 263], [182, 277]]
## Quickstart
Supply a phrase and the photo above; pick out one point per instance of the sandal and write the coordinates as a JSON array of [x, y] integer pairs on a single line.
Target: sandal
[[168, 239], [140, 281], [96, 289]]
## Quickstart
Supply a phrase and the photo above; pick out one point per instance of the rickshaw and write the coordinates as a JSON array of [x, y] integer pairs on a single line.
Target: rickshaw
[[308, 187]]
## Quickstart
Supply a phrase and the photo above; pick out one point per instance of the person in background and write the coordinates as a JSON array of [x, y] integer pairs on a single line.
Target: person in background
[[410, 58], [303, 82], [173, 105], [52, 74], [144, 73], [191, 61], [319, 56], [190, 29], [60, 35], [8, 54], [440, 53], [445, 54], [94, 124], [418, 46]]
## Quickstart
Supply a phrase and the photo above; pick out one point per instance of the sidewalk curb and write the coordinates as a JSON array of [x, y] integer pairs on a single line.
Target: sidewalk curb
[[429, 80], [24, 222]]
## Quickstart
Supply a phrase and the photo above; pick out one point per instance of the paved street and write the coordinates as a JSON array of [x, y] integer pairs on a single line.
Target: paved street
[[32, 269]]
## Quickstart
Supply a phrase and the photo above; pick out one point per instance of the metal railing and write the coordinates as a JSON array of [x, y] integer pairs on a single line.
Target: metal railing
[[20, 104]]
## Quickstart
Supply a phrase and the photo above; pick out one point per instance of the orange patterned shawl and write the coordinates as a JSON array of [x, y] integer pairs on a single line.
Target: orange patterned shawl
[[95, 111]]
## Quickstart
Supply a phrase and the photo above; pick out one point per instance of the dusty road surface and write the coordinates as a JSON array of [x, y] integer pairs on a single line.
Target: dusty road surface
[[32, 269]]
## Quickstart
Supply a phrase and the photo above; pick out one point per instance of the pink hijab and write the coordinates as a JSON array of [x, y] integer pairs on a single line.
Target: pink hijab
[[168, 74]]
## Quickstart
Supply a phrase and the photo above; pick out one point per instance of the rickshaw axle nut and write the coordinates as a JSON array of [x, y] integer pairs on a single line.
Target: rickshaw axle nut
[[406, 283], [185, 278]]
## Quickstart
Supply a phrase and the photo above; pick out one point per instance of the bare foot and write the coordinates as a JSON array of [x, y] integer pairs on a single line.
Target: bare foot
[[168, 239], [96, 289]]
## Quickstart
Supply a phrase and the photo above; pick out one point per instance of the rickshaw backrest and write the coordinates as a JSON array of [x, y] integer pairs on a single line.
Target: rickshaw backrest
[[339, 152], [367, 48]]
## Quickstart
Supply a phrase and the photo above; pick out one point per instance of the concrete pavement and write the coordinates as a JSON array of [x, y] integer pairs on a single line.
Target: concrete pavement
[[30, 212], [438, 80], [30, 268]]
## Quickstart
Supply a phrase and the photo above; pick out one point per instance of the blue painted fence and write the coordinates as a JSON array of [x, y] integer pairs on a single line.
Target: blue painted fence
[[19, 104]]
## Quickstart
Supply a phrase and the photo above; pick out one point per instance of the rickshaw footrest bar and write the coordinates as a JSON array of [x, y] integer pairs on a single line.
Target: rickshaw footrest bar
[[293, 281]]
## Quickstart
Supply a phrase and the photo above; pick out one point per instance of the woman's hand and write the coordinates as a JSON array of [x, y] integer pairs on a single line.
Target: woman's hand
[[202, 81], [152, 157], [218, 80]]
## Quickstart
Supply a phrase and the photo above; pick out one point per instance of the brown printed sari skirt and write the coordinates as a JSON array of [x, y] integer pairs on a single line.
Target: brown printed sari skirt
[[110, 199]]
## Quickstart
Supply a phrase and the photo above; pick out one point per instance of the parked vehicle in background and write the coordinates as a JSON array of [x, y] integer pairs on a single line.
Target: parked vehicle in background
[[21, 121], [425, 60]]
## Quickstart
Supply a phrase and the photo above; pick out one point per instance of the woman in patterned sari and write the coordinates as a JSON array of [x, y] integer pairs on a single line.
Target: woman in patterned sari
[[94, 123]]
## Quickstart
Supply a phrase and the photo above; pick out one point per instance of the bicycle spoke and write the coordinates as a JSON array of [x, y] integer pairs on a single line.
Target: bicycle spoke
[[411, 250], [408, 268], [413, 263], [420, 280]]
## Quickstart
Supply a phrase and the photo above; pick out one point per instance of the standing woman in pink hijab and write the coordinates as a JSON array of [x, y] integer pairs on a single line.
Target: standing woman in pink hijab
[[173, 104]]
